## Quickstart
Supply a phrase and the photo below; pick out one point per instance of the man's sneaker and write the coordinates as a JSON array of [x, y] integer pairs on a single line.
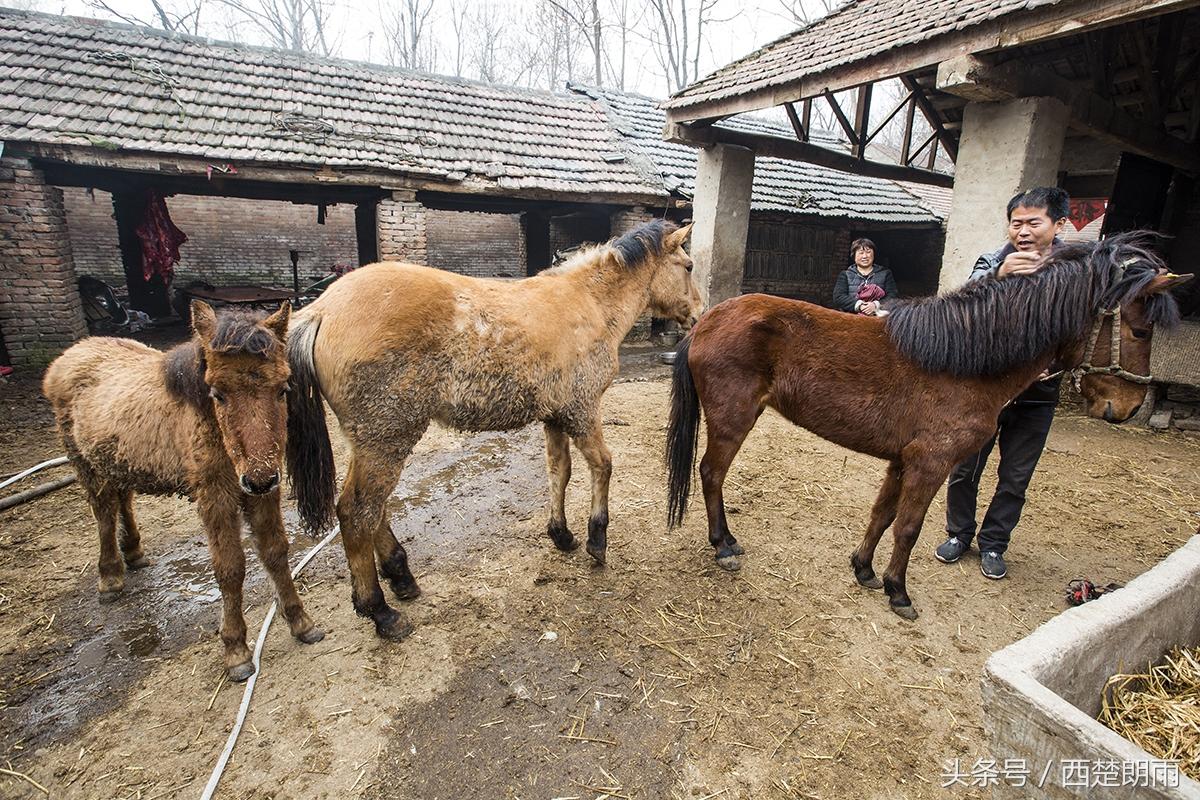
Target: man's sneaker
[[992, 565], [951, 550]]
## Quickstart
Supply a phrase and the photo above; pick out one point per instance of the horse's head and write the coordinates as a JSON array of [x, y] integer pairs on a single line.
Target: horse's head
[[673, 293], [1114, 370], [246, 372]]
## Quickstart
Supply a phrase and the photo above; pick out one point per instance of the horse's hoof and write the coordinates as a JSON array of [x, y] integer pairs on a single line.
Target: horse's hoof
[[736, 549], [141, 562], [730, 563], [908, 611], [597, 552], [394, 627], [107, 596], [406, 591], [242, 672], [873, 582], [312, 635], [562, 537]]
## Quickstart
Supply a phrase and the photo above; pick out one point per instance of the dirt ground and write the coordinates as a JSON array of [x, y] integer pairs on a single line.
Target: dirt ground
[[534, 674]]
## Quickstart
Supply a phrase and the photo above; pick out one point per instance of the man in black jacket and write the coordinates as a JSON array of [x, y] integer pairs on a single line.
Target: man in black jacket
[[862, 272], [1035, 217]]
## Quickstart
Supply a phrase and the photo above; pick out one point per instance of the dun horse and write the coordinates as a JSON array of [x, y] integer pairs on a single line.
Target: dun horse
[[393, 346], [921, 388], [204, 420]]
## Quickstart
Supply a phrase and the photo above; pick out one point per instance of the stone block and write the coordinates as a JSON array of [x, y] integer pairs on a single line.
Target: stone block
[[1160, 420]]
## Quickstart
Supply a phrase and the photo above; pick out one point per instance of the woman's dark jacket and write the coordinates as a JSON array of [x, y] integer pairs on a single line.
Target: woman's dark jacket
[[850, 280]]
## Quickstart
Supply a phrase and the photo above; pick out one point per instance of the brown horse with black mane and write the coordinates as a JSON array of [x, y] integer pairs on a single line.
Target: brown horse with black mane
[[921, 388], [205, 420], [393, 347]]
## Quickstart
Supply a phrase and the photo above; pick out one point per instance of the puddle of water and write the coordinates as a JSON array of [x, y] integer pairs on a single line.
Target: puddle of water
[[446, 497]]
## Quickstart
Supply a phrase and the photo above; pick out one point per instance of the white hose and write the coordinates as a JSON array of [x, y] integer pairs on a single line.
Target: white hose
[[54, 462], [219, 769]]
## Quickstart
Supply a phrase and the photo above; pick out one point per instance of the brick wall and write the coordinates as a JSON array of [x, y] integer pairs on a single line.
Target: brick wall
[[573, 230], [474, 243], [230, 240], [40, 310]]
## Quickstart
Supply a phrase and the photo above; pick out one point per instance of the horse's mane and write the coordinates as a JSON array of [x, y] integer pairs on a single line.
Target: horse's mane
[[991, 325], [237, 331], [631, 250]]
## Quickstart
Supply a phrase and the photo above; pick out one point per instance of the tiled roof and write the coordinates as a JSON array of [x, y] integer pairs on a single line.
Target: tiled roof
[[854, 33], [780, 185], [72, 81]]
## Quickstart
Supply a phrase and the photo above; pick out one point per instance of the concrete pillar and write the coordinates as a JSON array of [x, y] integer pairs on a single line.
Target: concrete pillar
[[1005, 148], [40, 310], [401, 229], [724, 176]]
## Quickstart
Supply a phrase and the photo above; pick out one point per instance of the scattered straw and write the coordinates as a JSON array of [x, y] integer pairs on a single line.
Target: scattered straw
[[1159, 710]]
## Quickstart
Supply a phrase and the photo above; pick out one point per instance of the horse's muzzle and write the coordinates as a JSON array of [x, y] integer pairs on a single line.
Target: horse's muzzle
[[263, 487]]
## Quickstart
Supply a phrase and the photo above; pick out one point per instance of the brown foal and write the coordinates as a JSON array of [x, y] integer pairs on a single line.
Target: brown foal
[[206, 420], [921, 388]]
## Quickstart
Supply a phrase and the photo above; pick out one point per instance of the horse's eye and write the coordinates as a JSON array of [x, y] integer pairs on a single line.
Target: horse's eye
[[1140, 333], [283, 392], [688, 266], [215, 395]]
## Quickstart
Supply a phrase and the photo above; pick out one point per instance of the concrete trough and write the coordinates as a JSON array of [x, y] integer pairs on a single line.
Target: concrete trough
[[1041, 695]]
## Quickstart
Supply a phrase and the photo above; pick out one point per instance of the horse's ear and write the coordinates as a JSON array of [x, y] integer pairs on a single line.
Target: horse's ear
[[204, 321], [1166, 282], [678, 237], [277, 323]]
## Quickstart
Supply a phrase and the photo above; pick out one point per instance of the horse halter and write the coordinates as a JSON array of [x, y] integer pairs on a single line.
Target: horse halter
[[1114, 367]]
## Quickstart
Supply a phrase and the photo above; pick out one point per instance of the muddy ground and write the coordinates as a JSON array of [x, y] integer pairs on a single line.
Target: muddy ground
[[534, 674]]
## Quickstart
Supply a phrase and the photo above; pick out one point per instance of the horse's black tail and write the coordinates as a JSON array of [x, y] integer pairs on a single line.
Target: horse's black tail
[[309, 453], [683, 434]]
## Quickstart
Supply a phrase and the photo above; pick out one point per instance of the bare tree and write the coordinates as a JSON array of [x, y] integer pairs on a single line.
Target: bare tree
[[677, 37], [405, 27], [300, 25], [584, 15], [802, 13], [553, 34], [177, 17], [624, 20], [460, 22]]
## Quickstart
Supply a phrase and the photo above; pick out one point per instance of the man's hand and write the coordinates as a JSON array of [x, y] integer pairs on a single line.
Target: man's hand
[[1020, 263], [870, 309]]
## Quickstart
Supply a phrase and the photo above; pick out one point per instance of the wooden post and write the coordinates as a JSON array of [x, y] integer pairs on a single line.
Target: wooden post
[[365, 236], [150, 296]]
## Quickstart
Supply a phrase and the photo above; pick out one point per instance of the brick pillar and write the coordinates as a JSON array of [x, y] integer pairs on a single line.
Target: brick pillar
[[40, 310], [401, 227]]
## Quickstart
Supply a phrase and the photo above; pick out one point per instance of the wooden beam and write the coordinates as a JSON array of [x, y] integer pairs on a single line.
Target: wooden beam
[[909, 116], [1090, 113], [904, 102], [1045, 23], [806, 114], [841, 118], [949, 143], [778, 147], [862, 120], [799, 127]]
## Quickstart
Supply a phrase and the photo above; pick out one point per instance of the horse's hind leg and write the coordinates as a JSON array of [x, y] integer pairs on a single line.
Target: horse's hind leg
[[105, 504], [131, 538], [728, 423], [360, 510], [599, 459], [266, 525], [558, 470], [393, 562], [883, 513]]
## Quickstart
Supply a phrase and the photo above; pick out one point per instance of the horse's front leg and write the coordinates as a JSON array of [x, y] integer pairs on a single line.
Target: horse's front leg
[[221, 513], [131, 538], [558, 470], [883, 513], [919, 482], [266, 525], [599, 459]]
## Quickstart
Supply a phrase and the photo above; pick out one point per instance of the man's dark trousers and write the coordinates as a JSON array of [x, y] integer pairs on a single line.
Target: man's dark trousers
[[1021, 431]]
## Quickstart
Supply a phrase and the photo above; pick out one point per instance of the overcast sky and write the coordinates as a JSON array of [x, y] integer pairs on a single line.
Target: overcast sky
[[736, 28]]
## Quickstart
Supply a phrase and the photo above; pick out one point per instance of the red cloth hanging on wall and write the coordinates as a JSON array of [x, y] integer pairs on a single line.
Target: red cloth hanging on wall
[[159, 237]]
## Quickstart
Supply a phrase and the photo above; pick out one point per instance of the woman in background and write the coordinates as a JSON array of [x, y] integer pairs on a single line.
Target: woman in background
[[863, 287]]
